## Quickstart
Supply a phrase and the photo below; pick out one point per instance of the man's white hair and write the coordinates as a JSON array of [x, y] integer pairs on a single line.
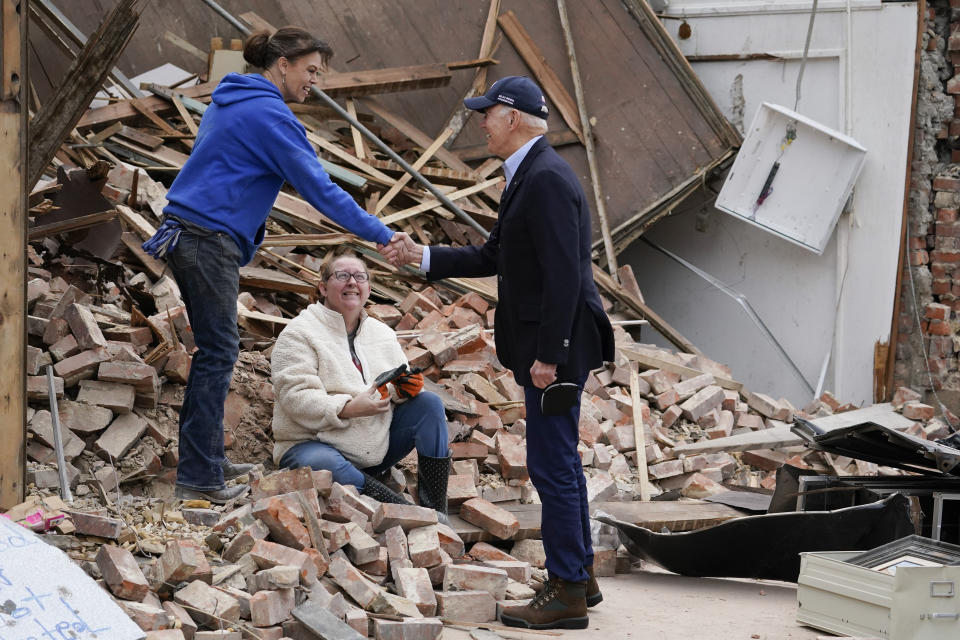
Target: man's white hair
[[532, 122]]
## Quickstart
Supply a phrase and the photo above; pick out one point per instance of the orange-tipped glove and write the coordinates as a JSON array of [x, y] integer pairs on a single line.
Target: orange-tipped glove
[[384, 393], [409, 384]]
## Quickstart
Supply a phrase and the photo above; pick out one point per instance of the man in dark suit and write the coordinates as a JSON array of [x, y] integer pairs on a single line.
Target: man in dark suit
[[550, 327]]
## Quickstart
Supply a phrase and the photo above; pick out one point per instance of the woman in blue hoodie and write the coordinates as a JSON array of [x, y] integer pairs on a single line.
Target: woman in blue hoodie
[[247, 145]]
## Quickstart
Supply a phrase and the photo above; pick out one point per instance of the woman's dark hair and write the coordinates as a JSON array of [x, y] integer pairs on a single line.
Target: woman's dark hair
[[262, 50]]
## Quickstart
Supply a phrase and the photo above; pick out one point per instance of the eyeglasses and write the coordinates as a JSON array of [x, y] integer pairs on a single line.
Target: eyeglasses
[[344, 276]]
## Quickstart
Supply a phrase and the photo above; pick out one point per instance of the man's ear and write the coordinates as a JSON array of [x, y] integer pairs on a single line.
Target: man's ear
[[322, 288]]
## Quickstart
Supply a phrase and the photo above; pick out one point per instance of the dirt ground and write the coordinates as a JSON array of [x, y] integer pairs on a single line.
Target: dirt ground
[[651, 604]]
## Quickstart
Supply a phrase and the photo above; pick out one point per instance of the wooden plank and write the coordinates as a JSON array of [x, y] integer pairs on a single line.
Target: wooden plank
[[434, 205], [407, 128], [260, 278], [135, 221], [638, 435], [545, 75], [124, 109], [196, 52], [359, 149], [59, 115], [243, 312], [71, 224], [185, 115], [649, 361], [133, 242], [882, 414], [610, 286], [13, 221], [598, 198], [675, 516], [481, 152], [763, 439], [306, 240], [353, 161], [391, 80], [138, 136], [458, 118], [437, 175], [418, 165]]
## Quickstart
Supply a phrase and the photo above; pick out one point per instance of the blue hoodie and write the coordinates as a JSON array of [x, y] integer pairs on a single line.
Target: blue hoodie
[[248, 144]]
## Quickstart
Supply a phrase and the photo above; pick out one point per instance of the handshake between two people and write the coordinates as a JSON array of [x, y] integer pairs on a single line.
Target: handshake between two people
[[408, 382], [401, 250]]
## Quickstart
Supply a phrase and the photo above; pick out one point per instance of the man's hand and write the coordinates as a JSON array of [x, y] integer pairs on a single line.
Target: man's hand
[[543, 374], [401, 250], [368, 403]]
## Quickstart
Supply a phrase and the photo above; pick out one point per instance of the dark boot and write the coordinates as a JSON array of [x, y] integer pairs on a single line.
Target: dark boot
[[381, 492], [233, 470], [559, 605], [594, 597], [432, 477]]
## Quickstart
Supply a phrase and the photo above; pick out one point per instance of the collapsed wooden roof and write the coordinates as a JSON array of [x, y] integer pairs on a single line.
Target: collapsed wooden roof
[[658, 134]]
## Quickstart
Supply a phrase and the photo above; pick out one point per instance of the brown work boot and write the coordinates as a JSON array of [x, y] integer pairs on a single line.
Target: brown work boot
[[594, 597], [559, 605]]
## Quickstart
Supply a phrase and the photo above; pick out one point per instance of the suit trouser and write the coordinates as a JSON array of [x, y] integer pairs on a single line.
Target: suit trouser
[[554, 466]]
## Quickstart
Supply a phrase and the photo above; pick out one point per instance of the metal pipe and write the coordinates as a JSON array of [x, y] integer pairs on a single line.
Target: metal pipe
[[57, 439], [369, 135]]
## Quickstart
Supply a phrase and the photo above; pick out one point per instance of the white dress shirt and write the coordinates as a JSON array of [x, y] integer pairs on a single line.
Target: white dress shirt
[[510, 166]]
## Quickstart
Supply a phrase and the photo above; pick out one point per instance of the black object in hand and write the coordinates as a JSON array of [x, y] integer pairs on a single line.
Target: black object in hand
[[558, 398], [390, 375]]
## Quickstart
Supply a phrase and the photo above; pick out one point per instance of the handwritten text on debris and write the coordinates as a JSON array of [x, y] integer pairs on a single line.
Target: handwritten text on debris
[[45, 596]]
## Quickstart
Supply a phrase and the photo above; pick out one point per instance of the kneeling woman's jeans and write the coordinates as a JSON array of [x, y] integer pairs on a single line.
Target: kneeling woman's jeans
[[419, 422]]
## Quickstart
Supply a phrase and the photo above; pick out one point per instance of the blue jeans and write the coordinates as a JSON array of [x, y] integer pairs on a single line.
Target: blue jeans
[[419, 422], [556, 472], [207, 270]]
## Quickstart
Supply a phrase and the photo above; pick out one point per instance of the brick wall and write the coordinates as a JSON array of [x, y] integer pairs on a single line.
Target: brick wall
[[930, 301]]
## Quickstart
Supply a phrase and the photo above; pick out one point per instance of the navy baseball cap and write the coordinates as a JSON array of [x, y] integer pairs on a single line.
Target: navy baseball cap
[[519, 92]]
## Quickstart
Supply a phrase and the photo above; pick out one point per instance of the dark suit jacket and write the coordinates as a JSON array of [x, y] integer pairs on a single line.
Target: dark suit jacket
[[549, 308]]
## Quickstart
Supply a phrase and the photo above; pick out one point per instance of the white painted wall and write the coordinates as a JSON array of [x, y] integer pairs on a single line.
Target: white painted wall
[[794, 291]]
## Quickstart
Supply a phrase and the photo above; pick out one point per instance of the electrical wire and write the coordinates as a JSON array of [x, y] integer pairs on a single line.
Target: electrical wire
[[742, 301], [806, 51]]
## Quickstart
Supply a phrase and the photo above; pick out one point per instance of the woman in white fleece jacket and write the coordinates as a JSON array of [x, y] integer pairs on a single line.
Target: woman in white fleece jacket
[[327, 415]]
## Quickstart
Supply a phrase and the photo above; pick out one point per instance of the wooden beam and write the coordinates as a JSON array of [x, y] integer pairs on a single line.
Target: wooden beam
[[543, 72], [13, 207], [418, 165], [674, 60], [598, 198], [260, 278], [638, 435], [124, 109], [461, 114], [391, 80], [59, 115], [431, 205], [71, 224], [481, 152], [640, 309], [654, 515], [649, 361]]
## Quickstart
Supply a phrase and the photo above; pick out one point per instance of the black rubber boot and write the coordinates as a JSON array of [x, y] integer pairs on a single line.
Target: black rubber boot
[[432, 477], [379, 491]]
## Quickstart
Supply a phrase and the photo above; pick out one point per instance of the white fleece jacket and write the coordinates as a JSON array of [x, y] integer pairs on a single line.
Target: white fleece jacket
[[314, 377]]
